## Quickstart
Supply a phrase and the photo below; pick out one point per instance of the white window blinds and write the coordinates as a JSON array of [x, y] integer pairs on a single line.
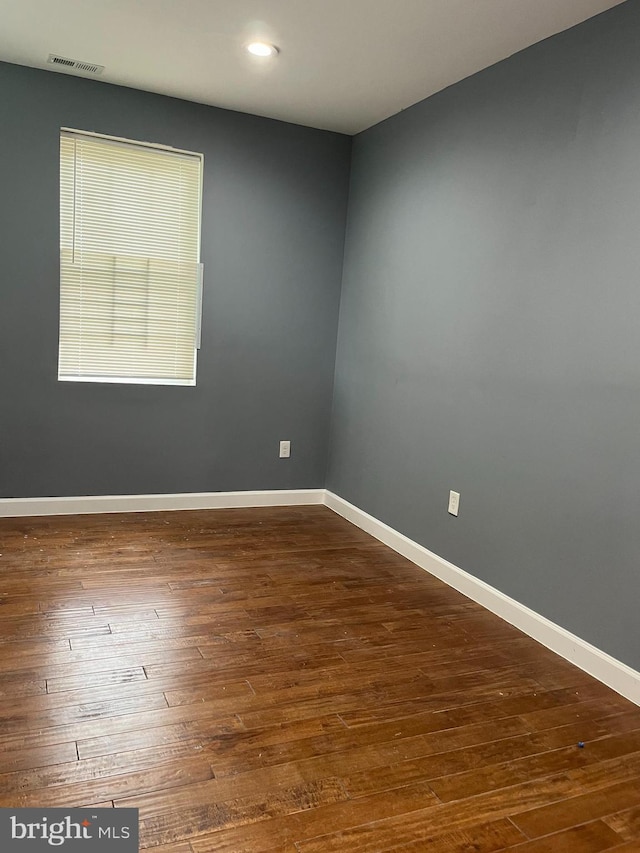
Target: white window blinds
[[130, 277]]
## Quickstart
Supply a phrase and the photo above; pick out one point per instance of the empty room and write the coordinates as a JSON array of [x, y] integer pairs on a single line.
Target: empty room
[[319, 426]]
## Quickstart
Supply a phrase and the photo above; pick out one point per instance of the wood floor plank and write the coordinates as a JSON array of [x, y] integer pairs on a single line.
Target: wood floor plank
[[67, 663], [464, 785], [626, 722], [87, 680], [496, 706], [18, 721], [158, 736], [588, 838], [177, 847], [273, 680], [576, 810], [484, 838], [191, 821], [387, 740], [211, 716], [133, 690], [95, 768], [452, 763], [14, 686], [281, 829], [26, 759], [168, 775], [626, 823]]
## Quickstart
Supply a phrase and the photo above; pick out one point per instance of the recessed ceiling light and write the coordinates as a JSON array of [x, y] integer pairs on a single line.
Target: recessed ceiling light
[[261, 48]]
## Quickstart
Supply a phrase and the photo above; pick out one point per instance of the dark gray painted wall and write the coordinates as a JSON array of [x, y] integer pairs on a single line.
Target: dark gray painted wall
[[273, 236], [489, 337]]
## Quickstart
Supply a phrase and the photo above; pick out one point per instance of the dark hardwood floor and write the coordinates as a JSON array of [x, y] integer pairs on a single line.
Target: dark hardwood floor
[[270, 680]]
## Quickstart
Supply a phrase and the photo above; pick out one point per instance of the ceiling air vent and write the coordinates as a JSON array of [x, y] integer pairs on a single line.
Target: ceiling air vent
[[75, 64]]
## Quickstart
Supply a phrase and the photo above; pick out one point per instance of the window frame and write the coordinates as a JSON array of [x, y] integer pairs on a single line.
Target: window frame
[[69, 132]]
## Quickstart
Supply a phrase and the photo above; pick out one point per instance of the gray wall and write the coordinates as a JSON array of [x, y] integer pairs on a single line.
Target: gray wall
[[273, 237], [489, 337]]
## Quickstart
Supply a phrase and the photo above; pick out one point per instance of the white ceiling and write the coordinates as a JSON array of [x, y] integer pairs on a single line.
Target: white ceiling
[[344, 64]]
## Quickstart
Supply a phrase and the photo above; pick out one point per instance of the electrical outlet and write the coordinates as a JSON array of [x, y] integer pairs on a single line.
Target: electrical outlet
[[454, 502], [285, 449]]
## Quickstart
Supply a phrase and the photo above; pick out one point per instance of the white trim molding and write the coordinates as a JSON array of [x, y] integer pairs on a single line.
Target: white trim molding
[[615, 674], [18, 507]]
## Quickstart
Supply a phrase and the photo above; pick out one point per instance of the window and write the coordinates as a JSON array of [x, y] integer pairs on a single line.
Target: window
[[130, 272]]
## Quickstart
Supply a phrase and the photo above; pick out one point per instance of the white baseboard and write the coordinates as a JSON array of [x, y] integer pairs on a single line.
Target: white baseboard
[[18, 507], [615, 674]]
